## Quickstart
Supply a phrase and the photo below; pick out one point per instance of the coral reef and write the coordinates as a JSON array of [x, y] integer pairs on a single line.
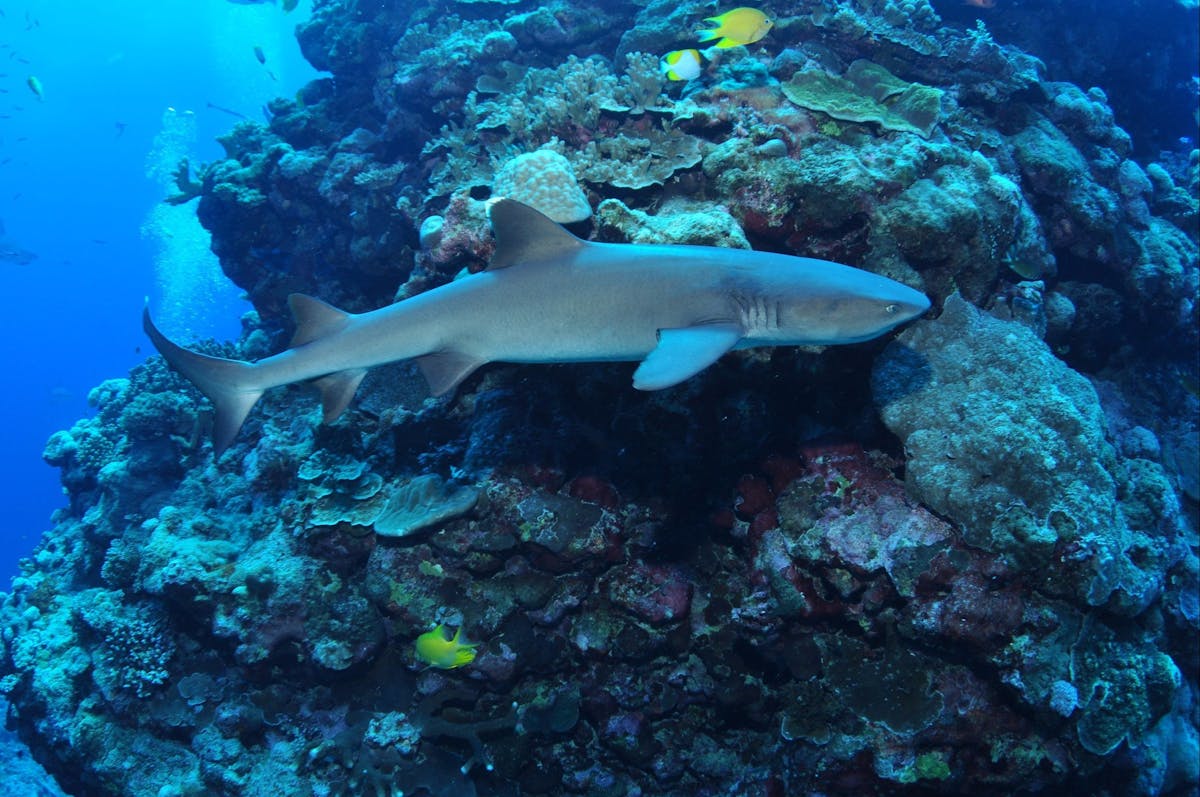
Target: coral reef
[[543, 180], [964, 560], [867, 93]]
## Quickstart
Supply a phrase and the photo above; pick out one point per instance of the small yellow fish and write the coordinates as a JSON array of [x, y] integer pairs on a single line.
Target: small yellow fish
[[682, 64], [436, 650], [737, 27], [35, 86]]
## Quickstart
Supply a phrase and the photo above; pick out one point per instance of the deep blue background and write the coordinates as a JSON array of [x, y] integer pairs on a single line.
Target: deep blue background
[[77, 193]]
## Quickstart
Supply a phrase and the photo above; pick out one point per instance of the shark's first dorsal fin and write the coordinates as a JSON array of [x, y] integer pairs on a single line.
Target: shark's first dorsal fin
[[314, 319], [524, 235]]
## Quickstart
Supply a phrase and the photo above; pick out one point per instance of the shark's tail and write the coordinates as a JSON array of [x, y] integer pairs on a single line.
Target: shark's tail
[[230, 384]]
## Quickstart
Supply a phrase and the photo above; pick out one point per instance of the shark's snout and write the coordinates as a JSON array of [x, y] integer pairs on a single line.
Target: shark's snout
[[909, 304]]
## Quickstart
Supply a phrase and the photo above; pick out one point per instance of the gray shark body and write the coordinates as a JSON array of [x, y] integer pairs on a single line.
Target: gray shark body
[[11, 252], [550, 297]]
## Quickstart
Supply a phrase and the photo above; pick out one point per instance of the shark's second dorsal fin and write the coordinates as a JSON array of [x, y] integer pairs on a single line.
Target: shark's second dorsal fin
[[523, 235], [314, 319]]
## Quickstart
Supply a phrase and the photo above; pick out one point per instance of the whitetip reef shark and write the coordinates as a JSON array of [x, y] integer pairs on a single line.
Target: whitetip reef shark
[[550, 297]]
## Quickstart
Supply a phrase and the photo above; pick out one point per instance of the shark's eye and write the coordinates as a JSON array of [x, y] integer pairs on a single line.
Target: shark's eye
[[890, 309]]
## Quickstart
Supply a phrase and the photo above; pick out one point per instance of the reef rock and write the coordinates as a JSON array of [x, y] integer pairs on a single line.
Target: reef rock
[[1009, 442]]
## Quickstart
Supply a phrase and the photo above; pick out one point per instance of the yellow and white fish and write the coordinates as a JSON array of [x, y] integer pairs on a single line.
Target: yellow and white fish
[[737, 27], [681, 64]]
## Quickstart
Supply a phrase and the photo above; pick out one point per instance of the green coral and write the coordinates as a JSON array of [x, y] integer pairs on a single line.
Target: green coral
[[892, 689], [959, 225], [932, 766], [1125, 687], [434, 60], [341, 489], [636, 159], [561, 108], [830, 128], [868, 93], [675, 223], [423, 502]]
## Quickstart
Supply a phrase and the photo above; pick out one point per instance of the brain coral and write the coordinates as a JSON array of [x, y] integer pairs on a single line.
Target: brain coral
[[544, 180]]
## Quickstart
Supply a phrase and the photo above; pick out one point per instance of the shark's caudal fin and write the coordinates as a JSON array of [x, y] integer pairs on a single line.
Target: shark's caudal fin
[[234, 386], [229, 384]]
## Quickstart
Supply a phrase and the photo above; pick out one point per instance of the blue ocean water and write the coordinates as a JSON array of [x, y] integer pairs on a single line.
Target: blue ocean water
[[128, 88]]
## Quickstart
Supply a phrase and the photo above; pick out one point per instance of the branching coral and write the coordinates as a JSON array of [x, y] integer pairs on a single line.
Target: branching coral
[[136, 645]]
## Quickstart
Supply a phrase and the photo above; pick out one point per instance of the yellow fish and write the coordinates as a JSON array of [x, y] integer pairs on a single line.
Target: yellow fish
[[436, 650], [35, 86], [681, 64], [737, 27]]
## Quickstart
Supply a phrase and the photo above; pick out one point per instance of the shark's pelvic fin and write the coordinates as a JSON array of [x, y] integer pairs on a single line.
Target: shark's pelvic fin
[[443, 370], [682, 353], [314, 319], [524, 235], [337, 390], [229, 384]]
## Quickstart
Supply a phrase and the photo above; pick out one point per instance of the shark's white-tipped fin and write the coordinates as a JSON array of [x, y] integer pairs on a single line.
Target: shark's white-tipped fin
[[314, 318], [523, 235], [682, 353]]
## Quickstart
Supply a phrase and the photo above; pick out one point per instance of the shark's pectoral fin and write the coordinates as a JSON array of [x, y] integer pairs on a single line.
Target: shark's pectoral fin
[[337, 390], [682, 353], [443, 370]]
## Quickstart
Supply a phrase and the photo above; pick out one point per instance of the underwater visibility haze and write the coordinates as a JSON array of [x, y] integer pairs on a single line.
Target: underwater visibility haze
[[507, 397]]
